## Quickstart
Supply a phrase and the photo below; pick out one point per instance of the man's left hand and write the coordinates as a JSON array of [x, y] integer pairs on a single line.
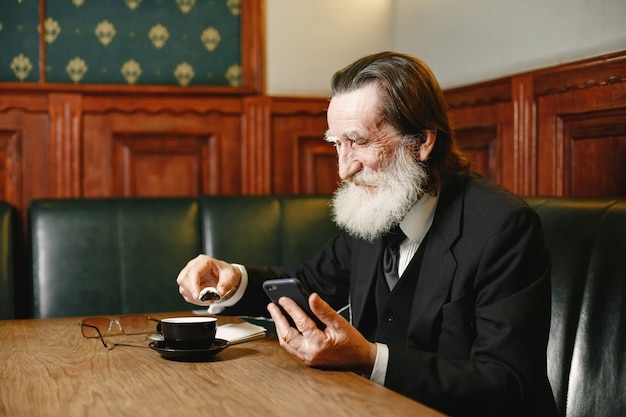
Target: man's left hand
[[340, 345]]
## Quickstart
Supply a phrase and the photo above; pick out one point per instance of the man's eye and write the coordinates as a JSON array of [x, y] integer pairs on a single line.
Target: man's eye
[[360, 141]]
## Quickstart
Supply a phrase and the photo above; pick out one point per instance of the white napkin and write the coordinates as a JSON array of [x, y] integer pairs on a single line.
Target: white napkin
[[240, 332]]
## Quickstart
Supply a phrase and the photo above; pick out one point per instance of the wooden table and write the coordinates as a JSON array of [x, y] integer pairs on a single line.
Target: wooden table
[[49, 369]]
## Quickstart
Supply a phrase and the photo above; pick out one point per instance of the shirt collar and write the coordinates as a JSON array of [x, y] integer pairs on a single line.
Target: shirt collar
[[418, 220]]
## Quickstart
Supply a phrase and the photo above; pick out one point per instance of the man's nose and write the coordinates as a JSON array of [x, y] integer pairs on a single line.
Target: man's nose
[[349, 165]]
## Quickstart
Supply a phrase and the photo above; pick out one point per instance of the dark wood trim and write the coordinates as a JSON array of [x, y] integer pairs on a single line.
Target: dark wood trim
[[593, 72], [256, 146]]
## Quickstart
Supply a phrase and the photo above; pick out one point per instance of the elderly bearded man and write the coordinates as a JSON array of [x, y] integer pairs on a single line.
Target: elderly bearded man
[[461, 323]]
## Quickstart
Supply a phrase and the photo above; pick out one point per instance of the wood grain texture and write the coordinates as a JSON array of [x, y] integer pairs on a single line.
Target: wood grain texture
[[49, 369]]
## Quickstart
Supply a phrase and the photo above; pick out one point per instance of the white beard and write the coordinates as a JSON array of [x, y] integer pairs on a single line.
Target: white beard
[[368, 213]]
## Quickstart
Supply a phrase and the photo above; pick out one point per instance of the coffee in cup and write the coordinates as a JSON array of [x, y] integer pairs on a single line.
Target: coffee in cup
[[188, 332]]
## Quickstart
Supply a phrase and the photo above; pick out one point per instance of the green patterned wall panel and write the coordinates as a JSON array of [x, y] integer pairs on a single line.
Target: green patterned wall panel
[[19, 40], [143, 42]]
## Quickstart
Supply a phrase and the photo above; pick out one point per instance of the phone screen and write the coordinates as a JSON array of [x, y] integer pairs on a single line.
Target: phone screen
[[292, 288]]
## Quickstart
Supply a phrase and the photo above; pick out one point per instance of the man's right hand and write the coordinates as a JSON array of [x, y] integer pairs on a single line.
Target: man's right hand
[[205, 271]]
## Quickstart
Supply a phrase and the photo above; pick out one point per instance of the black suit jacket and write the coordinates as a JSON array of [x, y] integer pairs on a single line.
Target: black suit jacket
[[479, 323]]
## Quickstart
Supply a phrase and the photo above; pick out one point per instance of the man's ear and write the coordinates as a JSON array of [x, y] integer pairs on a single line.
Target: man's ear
[[427, 145]]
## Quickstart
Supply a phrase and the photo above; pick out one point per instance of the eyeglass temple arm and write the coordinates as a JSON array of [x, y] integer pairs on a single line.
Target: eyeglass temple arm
[[98, 331]]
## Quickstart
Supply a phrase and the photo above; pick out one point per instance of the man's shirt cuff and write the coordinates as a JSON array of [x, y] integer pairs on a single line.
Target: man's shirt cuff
[[219, 306], [379, 372]]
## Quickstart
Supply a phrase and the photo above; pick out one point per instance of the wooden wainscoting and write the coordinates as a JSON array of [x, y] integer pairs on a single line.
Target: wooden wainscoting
[[284, 151], [99, 144], [582, 151], [555, 131], [303, 162], [161, 147]]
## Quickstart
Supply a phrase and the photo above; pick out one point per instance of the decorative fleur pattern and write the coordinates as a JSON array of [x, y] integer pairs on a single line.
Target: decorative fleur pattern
[[156, 42], [158, 35], [233, 75], [185, 5], [52, 29], [19, 40], [105, 31], [184, 73], [21, 66], [132, 4], [76, 69], [234, 6], [131, 70], [210, 38]]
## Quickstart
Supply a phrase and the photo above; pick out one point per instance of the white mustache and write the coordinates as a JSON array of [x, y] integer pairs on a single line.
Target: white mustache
[[366, 179]]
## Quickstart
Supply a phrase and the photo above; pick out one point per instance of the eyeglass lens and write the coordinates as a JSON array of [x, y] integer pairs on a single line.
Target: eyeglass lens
[[132, 324]]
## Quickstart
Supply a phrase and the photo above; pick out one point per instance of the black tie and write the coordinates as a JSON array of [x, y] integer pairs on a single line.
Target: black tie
[[391, 256]]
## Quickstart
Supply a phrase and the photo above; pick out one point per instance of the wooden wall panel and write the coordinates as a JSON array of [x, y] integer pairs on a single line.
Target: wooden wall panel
[[257, 146], [24, 158], [597, 168], [10, 166], [161, 154], [315, 162], [160, 164], [303, 163], [557, 131], [480, 145], [64, 111], [524, 154], [582, 150], [485, 134]]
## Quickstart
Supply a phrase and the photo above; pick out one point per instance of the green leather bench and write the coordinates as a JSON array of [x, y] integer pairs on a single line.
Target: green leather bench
[[111, 256], [120, 256], [7, 243], [587, 346]]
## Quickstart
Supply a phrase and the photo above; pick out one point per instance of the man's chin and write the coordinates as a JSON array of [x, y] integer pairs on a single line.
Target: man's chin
[[367, 218]]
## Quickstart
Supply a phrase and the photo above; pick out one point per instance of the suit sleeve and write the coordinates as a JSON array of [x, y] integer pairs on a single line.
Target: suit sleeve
[[325, 273]]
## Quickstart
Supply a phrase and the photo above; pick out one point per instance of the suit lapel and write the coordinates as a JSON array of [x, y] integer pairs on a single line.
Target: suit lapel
[[438, 268]]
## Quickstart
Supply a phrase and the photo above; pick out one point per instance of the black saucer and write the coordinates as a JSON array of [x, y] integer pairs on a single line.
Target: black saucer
[[189, 354]]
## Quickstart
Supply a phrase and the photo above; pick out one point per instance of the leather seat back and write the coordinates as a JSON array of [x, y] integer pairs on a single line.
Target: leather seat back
[[265, 230], [110, 256], [116, 256], [307, 226], [241, 229], [7, 283], [587, 345]]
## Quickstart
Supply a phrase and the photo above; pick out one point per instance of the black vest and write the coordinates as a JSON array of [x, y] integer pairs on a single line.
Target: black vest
[[387, 313]]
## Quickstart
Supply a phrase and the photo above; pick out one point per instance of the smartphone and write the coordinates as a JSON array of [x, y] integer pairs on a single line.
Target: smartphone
[[292, 288]]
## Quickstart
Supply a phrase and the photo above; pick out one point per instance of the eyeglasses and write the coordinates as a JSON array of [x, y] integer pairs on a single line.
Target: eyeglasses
[[93, 327]]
